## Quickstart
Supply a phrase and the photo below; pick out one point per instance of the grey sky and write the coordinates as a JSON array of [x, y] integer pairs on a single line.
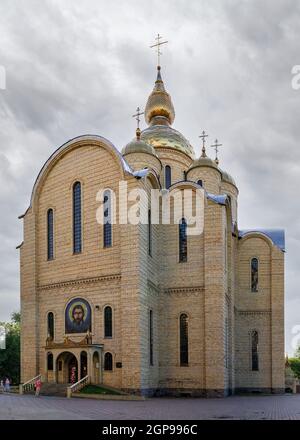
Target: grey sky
[[78, 67]]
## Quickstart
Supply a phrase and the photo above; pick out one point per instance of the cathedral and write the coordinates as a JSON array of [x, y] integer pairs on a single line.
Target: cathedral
[[147, 308]]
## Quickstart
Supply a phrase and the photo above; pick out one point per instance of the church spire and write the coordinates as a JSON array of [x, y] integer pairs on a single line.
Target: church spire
[[159, 109]]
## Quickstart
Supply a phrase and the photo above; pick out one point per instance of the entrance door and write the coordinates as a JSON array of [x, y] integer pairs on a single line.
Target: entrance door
[[83, 364], [72, 370]]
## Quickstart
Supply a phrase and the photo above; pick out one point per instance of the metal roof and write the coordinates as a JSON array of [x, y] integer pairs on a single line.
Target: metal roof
[[276, 235]]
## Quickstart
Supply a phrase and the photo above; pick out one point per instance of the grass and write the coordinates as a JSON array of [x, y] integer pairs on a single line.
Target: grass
[[96, 389]]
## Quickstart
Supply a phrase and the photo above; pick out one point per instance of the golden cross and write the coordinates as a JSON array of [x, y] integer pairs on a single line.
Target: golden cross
[[215, 146], [203, 136], [157, 45], [137, 116]]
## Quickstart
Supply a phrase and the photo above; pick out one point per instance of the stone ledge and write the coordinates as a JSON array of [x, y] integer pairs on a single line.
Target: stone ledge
[[80, 281]]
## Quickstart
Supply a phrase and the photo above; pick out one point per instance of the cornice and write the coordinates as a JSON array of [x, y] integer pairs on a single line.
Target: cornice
[[80, 281]]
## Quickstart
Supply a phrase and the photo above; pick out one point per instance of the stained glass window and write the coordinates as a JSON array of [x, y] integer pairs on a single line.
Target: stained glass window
[[108, 322], [108, 362], [254, 275], [50, 235], [77, 244], [182, 241], [107, 227], [50, 325], [168, 177]]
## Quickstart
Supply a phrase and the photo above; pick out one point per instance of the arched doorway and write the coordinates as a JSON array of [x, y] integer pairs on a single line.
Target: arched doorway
[[67, 368], [83, 364], [96, 368]]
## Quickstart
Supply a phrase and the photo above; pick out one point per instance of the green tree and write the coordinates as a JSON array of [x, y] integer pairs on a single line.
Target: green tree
[[10, 356], [294, 363]]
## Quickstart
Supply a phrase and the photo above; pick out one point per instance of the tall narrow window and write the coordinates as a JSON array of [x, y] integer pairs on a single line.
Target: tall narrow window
[[168, 176], [108, 322], [184, 340], [254, 350], [151, 336], [77, 244], [50, 325], [254, 275], [108, 362], [107, 227], [50, 362], [182, 241], [149, 233], [50, 235]]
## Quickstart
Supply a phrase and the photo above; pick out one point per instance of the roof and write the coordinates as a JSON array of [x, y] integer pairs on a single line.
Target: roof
[[126, 167], [220, 198], [166, 136], [276, 235]]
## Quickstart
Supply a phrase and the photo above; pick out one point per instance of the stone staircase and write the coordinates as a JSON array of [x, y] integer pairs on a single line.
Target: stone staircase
[[54, 389]]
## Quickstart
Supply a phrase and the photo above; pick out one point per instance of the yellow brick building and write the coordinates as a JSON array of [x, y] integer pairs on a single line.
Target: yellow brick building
[[148, 309]]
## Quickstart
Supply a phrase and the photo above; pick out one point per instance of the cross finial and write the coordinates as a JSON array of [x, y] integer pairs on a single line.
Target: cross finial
[[215, 146], [203, 136], [157, 46], [137, 117]]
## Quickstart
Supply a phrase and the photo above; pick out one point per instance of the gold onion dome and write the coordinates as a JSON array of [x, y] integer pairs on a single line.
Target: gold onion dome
[[159, 115], [138, 146], [159, 102]]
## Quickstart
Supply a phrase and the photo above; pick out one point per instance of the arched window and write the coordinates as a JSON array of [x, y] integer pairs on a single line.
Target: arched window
[[149, 233], [254, 275], [77, 243], [108, 364], [254, 350], [168, 176], [200, 182], [182, 241], [107, 227], [184, 340], [50, 325], [50, 235], [50, 361], [108, 322]]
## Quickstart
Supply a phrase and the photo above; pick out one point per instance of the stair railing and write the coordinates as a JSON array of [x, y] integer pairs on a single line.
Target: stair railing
[[29, 385], [78, 386]]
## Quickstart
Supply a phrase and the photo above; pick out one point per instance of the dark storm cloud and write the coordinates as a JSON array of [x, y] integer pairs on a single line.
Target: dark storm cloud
[[75, 68]]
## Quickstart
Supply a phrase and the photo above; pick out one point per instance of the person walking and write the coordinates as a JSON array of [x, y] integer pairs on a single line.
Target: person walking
[[2, 386], [38, 386], [7, 385]]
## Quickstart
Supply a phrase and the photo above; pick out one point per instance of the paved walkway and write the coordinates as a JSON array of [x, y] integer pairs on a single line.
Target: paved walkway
[[284, 407]]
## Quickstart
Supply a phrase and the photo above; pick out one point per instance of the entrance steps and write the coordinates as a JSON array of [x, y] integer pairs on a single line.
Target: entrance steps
[[54, 389]]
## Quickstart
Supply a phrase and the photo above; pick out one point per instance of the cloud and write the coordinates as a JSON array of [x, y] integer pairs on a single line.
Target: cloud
[[74, 68]]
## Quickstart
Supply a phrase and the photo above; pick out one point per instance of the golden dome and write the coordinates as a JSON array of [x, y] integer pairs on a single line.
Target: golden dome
[[138, 146], [160, 135], [159, 102]]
